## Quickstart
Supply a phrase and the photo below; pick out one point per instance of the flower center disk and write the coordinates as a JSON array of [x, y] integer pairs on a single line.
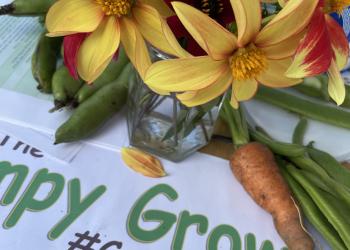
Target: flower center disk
[[247, 63], [115, 7], [336, 5]]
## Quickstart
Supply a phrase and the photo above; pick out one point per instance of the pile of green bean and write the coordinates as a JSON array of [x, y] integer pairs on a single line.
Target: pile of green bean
[[94, 103], [320, 185]]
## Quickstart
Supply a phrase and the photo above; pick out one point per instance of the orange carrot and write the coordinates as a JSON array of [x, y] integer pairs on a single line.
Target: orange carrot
[[255, 167]]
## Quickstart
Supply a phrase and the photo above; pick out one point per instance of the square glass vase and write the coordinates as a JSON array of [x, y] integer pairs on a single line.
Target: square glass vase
[[162, 126]]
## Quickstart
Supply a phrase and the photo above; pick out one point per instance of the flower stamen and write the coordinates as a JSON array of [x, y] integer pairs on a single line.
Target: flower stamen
[[248, 62], [115, 7], [336, 5]]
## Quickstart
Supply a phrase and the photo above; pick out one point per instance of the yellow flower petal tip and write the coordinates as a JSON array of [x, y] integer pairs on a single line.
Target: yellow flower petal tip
[[142, 163]]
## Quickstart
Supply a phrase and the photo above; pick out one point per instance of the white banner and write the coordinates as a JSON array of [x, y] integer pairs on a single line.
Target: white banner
[[48, 205]]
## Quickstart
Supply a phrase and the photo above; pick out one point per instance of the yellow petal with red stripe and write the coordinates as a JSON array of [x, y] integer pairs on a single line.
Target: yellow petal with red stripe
[[135, 46], [202, 96], [142, 163], [248, 19], [156, 31], [339, 42], [314, 53], [68, 17], [187, 74], [292, 19], [274, 75], [218, 42], [336, 87], [244, 90], [98, 49]]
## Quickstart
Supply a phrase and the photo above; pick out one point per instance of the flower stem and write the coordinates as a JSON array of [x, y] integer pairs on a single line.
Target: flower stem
[[237, 123]]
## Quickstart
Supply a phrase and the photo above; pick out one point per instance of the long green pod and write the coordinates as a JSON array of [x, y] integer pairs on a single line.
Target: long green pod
[[111, 73], [315, 87], [95, 111], [307, 108], [299, 132], [26, 7], [285, 149], [334, 169], [313, 213], [326, 182], [44, 61], [64, 86], [332, 209]]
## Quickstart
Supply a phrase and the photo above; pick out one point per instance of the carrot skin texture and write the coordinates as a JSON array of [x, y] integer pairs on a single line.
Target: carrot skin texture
[[255, 168]]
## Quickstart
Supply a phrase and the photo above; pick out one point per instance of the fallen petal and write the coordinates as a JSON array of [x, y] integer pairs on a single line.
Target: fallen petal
[[142, 162]]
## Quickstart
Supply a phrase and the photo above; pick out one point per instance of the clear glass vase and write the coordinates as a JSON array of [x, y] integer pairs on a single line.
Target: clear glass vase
[[161, 125]]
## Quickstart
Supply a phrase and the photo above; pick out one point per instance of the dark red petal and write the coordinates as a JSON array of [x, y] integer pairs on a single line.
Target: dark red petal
[[194, 48], [71, 45], [176, 26], [226, 16]]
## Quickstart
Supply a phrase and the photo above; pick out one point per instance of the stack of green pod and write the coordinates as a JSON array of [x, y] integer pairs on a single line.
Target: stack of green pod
[[317, 87], [92, 104], [27, 7], [320, 185]]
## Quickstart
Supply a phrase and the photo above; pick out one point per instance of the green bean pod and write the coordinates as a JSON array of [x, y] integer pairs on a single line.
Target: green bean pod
[[334, 169], [95, 111], [26, 7], [299, 132], [333, 210], [307, 108], [111, 73], [44, 60], [315, 87], [64, 86], [313, 213], [285, 149], [324, 182]]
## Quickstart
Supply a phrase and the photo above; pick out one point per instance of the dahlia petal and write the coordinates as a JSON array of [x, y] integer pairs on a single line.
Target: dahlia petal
[[135, 46], [187, 74], [234, 103], [202, 96], [162, 8], [248, 18], [181, 33], [274, 75], [336, 87], [244, 90], [68, 17], [292, 19], [211, 36], [283, 49], [156, 31], [339, 42], [98, 49], [314, 53]]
